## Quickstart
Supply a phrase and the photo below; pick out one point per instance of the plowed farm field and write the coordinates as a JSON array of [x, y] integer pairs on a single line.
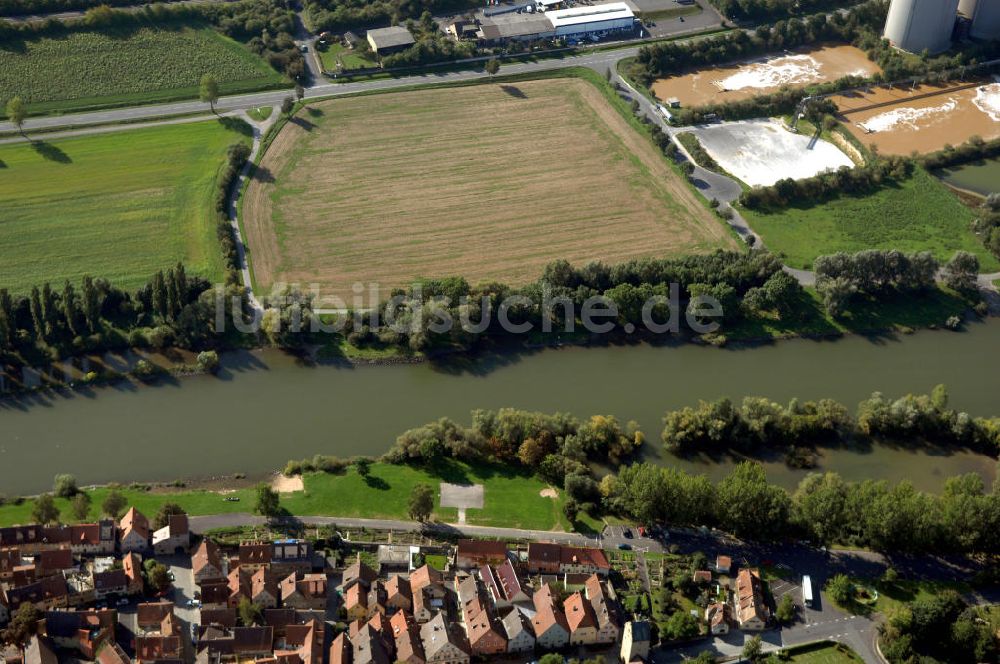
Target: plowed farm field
[[488, 182]]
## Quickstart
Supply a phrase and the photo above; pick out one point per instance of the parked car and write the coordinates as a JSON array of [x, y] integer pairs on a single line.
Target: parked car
[[624, 546], [232, 499]]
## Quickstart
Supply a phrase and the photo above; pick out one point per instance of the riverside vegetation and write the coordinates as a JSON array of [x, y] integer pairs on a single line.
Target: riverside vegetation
[[516, 454]]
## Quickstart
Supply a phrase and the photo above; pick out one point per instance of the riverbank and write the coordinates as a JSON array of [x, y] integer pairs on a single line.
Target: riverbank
[[516, 500]]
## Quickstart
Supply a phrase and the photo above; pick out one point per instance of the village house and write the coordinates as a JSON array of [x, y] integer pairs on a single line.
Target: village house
[[443, 643], [520, 638], [719, 617], [307, 592], [301, 641], [173, 537], [53, 561], [39, 650], [292, 555], [214, 594], [581, 620], [484, 632], [83, 631], [409, 649], [27, 539], [113, 582], [264, 588], [254, 555], [358, 573], [356, 602], [112, 653], [548, 558], [398, 594], [549, 623], [10, 557], [702, 576], [430, 580], [751, 613], [149, 616], [723, 564], [220, 617], [134, 528], [98, 538], [132, 566], [206, 563], [48, 593], [503, 585], [636, 640], [471, 554], [377, 599], [604, 604]]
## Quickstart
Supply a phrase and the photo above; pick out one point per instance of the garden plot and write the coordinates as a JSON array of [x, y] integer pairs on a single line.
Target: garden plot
[[761, 152]]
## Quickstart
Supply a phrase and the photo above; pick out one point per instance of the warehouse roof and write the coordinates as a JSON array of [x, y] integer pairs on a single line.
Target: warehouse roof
[[395, 35], [509, 26], [613, 11]]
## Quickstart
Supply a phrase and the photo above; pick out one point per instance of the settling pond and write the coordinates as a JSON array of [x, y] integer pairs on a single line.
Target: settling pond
[[265, 408], [982, 177]]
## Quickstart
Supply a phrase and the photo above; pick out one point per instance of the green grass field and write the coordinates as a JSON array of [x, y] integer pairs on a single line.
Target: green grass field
[[350, 58], [95, 69], [823, 653], [920, 214], [118, 206], [511, 500]]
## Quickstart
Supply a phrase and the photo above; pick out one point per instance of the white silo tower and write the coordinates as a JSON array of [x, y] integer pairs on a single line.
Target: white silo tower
[[916, 25], [984, 16]]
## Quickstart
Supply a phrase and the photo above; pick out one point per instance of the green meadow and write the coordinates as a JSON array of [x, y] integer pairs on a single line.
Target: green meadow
[[512, 499], [118, 206], [917, 215]]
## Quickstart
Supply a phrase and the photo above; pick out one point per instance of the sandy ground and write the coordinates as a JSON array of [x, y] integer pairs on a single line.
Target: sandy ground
[[489, 182], [747, 79], [761, 152], [285, 484], [549, 493], [923, 119]]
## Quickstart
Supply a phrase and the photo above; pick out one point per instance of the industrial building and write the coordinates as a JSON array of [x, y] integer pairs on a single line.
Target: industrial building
[[595, 19], [983, 17], [922, 25], [389, 40], [528, 24]]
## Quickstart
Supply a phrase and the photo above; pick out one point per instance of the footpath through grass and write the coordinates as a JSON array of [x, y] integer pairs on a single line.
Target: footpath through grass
[[512, 500], [90, 69], [919, 214], [118, 206]]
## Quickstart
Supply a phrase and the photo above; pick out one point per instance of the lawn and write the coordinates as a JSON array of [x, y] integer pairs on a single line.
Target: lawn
[[477, 181], [87, 69], [511, 500], [919, 214], [118, 206], [822, 653], [349, 58]]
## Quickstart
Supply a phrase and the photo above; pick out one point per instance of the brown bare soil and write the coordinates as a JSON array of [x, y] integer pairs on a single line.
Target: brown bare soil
[[922, 119], [487, 182], [750, 78]]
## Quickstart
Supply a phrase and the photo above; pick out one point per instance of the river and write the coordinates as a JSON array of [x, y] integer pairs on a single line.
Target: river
[[265, 408]]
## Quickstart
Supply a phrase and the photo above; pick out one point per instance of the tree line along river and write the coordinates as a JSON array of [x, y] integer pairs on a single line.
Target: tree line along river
[[265, 407]]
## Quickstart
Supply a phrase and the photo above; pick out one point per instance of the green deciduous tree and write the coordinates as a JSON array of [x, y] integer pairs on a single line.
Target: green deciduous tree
[[250, 614], [492, 66], [208, 91], [44, 510], [113, 504], [65, 486], [80, 506], [16, 113], [840, 588], [268, 501], [421, 502], [23, 624], [163, 515]]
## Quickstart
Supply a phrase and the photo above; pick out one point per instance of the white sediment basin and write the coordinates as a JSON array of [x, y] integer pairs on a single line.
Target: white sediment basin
[[761, 152]]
